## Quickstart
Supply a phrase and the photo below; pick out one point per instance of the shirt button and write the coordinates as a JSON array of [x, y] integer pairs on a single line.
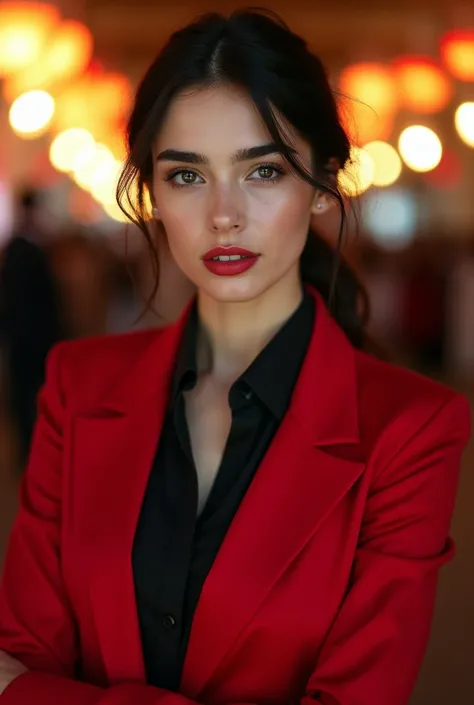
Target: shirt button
[[169, 621]]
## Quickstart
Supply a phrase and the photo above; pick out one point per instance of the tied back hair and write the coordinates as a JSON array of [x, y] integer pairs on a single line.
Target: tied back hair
[[254, 50]]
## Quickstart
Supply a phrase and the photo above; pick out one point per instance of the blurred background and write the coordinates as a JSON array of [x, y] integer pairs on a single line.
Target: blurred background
[[70, 267]]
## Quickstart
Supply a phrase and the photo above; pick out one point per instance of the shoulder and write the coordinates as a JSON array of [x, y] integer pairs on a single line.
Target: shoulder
[[397, 404], [86, 368]]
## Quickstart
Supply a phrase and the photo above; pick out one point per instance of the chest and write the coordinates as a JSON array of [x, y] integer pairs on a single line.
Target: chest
[[209, 420]]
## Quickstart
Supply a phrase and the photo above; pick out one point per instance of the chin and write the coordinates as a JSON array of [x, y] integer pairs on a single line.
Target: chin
[[233, 290]]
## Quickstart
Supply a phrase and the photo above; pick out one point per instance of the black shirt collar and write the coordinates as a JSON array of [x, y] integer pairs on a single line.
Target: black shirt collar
[[273, 373]]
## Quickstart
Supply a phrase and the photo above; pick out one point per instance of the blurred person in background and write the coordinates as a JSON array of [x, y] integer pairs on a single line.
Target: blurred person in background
[[30, 319], [246, 506], [83, 268]]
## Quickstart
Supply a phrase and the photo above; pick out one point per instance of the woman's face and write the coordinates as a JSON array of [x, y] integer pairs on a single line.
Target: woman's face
[[219, 183]]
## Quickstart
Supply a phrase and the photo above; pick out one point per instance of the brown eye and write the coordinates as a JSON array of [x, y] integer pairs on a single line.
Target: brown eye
[[266, 172], [189, 177], [184, 177]]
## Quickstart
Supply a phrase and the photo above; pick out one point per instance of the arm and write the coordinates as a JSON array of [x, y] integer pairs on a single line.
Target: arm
[[37, 625], [375, 648]]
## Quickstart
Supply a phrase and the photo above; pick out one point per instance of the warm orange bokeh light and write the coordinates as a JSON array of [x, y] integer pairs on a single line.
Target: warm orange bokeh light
[[24, 30], [73, 108], [71, 50], [369, 101], [423, 86], [370, 83], [110, 94], [363, 124], [457, 52], [97, 102], [64, 58], [115, 141]]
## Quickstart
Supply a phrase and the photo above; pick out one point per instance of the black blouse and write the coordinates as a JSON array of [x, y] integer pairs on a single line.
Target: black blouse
[[174, 549]]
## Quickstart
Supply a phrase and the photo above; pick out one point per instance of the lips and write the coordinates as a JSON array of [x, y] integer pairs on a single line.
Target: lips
[[226, 254], [229, 261]]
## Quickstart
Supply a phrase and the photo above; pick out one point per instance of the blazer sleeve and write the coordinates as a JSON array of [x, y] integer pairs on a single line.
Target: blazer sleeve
[[375, 648]]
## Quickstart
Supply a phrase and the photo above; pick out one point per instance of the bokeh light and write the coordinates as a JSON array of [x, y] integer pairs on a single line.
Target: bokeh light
[[65, 57], [391, 217], [88, 168], [387, 163], [103, 185], [420, 148], [370, 83], [367, 102], [464, 122], [457, 52], [24, 30], [31, 113], [423, 86], [114, 212], [68, 146], [358, 174], [362, 123]]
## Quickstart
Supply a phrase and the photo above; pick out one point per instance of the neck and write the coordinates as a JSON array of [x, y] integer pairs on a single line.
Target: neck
[[232, 335]]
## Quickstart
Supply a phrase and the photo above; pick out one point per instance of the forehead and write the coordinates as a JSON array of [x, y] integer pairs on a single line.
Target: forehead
[[219, 119]]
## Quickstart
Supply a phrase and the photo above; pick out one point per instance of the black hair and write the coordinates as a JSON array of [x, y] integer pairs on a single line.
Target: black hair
[[256, 51]]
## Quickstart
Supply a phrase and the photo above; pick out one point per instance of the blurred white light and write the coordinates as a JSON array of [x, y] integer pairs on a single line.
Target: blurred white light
[[68, 148], [104, 182], [391, 217], [387, 163], [89, 167], [358, 175], [464, 122], [114, 212], [31, 113], [420, 148]]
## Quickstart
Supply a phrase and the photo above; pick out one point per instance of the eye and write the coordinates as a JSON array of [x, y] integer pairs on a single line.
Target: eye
[[266, 172], [184, 177]]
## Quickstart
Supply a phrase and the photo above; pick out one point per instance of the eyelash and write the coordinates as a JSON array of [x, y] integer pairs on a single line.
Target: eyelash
[[268, 165]]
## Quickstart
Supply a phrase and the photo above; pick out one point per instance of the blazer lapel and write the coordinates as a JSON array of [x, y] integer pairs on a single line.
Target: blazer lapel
[[113, 449], [295, 488]]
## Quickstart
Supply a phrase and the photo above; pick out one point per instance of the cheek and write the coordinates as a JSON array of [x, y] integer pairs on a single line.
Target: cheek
[[181, 223], [285, 218]]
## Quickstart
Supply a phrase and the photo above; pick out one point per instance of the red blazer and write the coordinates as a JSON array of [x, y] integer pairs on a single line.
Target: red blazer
[[324, 587]]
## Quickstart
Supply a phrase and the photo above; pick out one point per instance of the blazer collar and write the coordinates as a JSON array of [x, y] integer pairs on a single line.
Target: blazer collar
[[324, 400]]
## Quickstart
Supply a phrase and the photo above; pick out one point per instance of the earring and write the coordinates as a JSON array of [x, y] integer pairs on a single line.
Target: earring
[[320, 206], [154, 212]]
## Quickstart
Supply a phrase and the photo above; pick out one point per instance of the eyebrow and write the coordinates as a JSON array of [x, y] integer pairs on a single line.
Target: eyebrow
[[242, 155]]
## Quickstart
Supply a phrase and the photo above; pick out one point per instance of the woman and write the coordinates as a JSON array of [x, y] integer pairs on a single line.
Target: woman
[[244, 507]]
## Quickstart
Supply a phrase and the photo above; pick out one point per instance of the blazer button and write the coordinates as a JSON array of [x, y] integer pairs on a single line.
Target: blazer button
[[169, 621]]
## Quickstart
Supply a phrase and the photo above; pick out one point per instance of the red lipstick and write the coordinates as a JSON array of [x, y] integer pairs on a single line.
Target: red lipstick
[[229, 261]]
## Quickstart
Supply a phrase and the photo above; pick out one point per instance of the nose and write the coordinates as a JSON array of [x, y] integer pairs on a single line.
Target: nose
[[225, 215]]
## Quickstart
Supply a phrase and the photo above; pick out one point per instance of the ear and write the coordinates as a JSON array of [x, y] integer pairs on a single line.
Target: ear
[[322, 201]]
